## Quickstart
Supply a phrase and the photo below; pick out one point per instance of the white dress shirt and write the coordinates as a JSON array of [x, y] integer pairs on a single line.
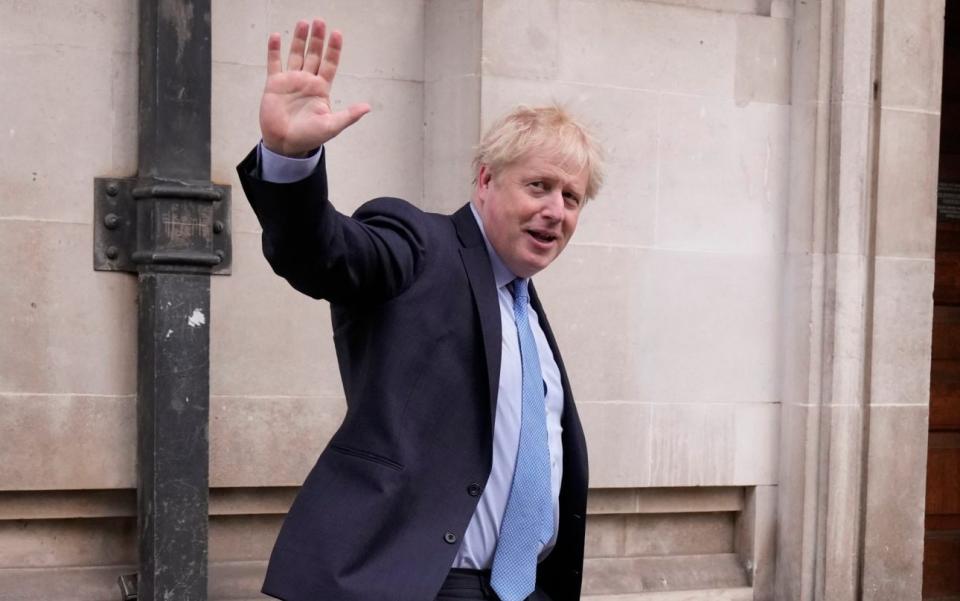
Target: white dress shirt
[[480, 540]]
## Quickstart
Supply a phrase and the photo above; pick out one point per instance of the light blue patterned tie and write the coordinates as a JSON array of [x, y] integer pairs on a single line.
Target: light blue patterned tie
[[528, 518]]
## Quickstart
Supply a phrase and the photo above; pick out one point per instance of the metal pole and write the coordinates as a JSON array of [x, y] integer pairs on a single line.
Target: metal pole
[[171, 226], [173, 369]]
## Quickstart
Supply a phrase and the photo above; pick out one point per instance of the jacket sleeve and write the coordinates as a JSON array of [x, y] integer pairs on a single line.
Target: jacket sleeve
[[369, 257]]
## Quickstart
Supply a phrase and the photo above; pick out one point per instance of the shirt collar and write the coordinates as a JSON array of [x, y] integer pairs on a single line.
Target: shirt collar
[[501, 273]]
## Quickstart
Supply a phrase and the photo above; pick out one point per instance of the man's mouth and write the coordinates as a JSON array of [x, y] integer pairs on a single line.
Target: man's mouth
[[542, 236]]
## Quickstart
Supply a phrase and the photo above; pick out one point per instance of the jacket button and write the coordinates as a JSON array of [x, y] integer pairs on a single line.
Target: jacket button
[[450, 538], [474, 490]]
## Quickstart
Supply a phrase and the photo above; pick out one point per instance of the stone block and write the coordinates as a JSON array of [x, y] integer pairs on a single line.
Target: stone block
[[796, 501], [762, 60], [605, 536], [712, 444], [804, 212], [269, 441], [705, 328], [69, 329], [841, 465], [267, 339], [902, 331], [618, 438], [802, 303], [626, 125], [95, 24], [71, 442], [453, 38], [723, 173], [242, 537], [847, 229], [894, 524], [665, 445], [625, 44], [61, 146], [846, 285], [907, 184], [679, 534], [47, 543], [806, 63], [451, 131], [382, 38], [227, 580], [67, 442], [523, 39], [657, 328], [238, 33], [912, 61], [856, 47], [608, 576]]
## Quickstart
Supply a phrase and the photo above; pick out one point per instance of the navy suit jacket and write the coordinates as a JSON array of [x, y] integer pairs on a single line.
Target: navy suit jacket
[[416, 326]]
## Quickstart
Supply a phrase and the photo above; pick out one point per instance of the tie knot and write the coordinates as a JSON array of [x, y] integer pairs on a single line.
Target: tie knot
[[518, 288]]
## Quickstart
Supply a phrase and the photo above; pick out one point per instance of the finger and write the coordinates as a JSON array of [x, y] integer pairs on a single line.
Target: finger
[[274, 65], [311, 61], [331, 58], [345, 118], [297, 44]]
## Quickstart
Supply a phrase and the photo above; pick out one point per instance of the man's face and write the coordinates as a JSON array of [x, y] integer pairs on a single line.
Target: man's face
[[530, 210]]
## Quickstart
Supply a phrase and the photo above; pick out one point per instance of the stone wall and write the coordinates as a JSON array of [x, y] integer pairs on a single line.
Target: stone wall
[[688, 305]]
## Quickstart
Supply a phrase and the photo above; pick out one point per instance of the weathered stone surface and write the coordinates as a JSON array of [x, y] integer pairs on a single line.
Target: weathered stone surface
[[701, 46], [906, 185], [902, 331], [763, 60], [605, 576], [893, 528]]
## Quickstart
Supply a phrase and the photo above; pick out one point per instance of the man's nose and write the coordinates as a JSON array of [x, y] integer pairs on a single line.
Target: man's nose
[[553, 205]]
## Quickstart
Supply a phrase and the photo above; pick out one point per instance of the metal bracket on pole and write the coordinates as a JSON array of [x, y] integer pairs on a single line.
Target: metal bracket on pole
[[182, 227]]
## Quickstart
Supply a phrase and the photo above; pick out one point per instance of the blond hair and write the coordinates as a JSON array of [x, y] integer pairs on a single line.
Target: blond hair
[[548, 130]]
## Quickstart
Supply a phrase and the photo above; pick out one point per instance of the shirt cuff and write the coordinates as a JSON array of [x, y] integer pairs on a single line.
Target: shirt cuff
[[279, 169]]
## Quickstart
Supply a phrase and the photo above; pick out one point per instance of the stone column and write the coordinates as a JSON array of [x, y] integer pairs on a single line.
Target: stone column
[[857, 292]]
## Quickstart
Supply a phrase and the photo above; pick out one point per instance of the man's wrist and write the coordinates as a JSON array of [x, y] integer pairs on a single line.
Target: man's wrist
[[281, 169]]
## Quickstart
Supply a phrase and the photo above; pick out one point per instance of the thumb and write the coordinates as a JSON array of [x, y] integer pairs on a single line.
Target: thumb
[[347, 117]]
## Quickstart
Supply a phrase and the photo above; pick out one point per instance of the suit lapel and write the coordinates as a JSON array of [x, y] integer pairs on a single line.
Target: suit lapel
[[482, 285]]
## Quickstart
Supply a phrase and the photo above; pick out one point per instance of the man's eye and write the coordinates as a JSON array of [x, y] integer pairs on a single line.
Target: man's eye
[[537, 185], [571, 199]]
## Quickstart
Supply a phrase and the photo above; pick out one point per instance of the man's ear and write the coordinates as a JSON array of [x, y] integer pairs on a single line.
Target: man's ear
[[484, 177]]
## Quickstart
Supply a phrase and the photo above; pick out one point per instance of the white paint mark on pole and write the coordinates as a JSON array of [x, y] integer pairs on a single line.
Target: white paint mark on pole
[[196, 319]]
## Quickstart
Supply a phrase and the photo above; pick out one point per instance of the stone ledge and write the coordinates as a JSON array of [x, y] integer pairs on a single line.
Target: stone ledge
[[622, 575], [66, 504], [716, 594], [665, 500]]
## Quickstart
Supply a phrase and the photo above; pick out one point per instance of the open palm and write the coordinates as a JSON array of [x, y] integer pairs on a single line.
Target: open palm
[[295, 111]]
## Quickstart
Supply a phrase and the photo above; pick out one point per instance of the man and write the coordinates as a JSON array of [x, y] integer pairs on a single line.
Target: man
[[460, 469]]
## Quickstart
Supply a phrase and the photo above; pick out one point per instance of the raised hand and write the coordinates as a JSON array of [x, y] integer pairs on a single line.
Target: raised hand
[[295, 111]]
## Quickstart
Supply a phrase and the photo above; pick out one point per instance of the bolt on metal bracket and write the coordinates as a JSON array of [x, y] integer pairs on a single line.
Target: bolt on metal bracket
[[161, 226], [128, 587]]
